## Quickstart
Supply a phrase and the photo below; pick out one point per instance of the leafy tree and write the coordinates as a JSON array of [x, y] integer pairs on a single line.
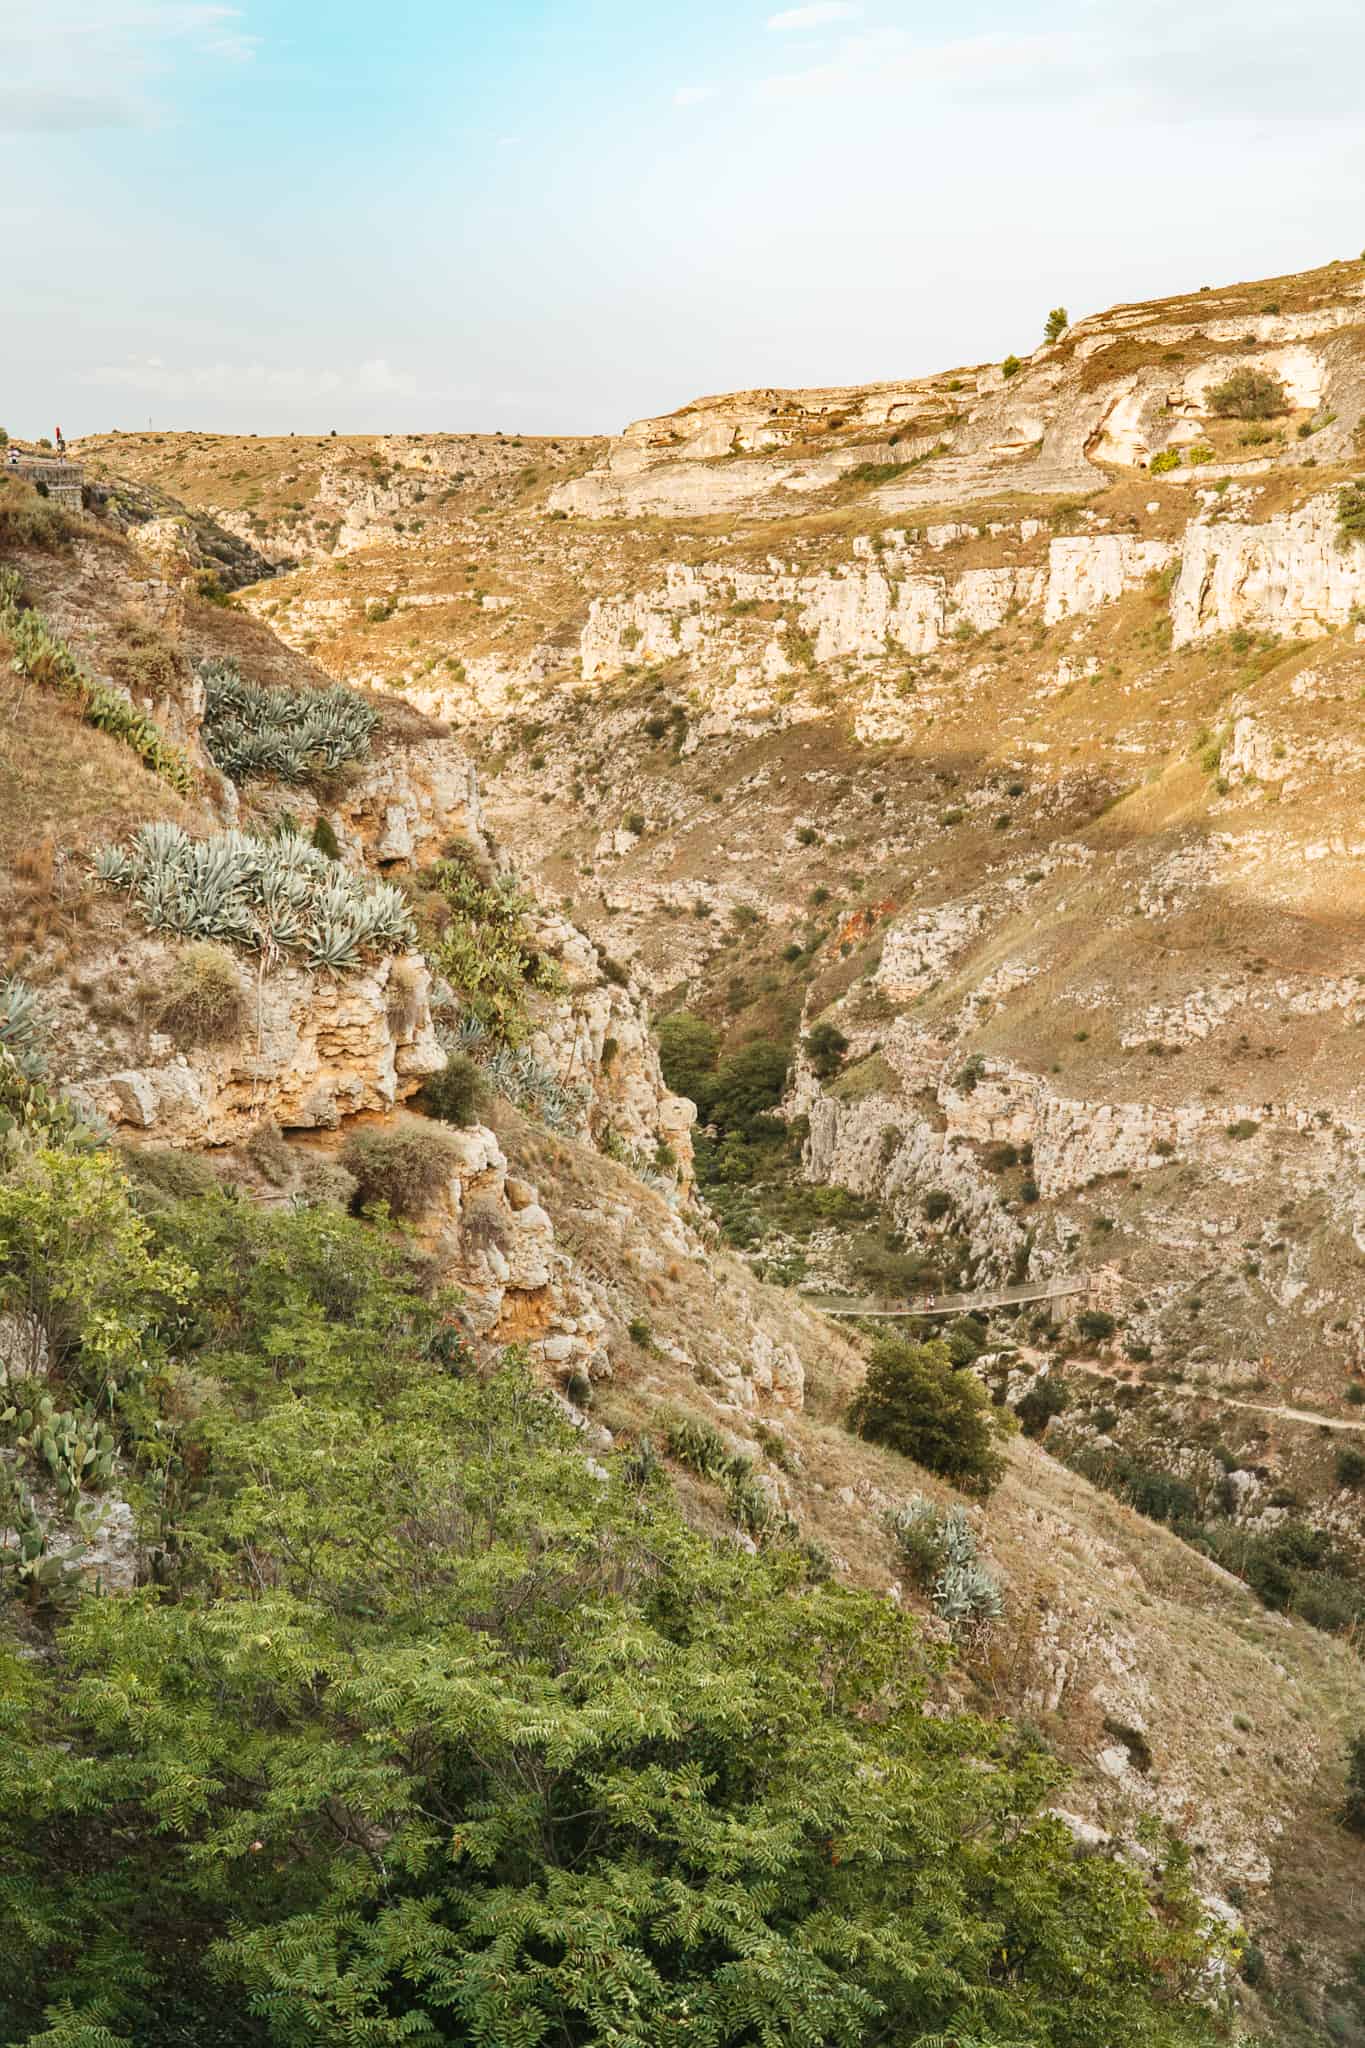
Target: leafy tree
[[748, 1083], [825, 1046], [77, 1266], [914, 1401], [1056, 324], [1248, 394], [418, 1732], [688, 1047]]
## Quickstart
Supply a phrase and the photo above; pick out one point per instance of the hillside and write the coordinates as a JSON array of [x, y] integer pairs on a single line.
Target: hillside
[[989, 746]]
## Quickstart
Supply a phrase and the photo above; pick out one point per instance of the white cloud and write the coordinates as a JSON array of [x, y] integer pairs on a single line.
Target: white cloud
[[93, 63], [374, 379], [693, 95], [1149, 66], [819, 15]]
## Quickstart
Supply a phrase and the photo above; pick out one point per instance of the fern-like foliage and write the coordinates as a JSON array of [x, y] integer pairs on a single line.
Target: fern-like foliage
[[278, 896], [257, 731]]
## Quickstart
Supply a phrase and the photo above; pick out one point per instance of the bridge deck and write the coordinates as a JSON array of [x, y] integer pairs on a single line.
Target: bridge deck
[[953, 1304]]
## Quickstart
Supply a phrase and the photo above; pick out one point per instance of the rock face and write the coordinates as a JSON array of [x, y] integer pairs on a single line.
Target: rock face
[[316, 1048], [1289, 575], [180, 541]]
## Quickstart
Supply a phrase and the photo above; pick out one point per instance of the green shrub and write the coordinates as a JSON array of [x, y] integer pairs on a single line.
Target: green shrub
[[1248, 394], [28, 519], [936, 1205], [459, 1094], [1011, 367], [405, 1165], [325, 1184], [256, 730], [477, 936], [324, 838], [700, 1446], [271, 1154], [913, 1401], [140, 659], [1350, 1467], [1056, 324], [1094, 1325], [1047, 1397], [1166, 460], [1351, 512], [824, 1046], [875, 472], [205, 1001], [165, 1174]]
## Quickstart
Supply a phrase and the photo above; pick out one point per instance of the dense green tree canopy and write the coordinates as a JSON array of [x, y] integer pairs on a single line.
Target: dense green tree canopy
[[420, 1731]]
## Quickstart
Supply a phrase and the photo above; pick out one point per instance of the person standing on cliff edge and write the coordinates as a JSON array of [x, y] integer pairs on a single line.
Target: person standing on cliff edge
[[61, 445]]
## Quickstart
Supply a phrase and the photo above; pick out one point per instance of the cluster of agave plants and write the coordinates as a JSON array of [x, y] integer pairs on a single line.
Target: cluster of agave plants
[[256, 730], [517, 1074], [22, 1026], [274, 896], [943, 1546]]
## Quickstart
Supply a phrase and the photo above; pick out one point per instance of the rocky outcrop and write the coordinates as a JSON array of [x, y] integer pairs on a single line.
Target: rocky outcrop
[[182, 543], [315, 1048], [1290, 575]]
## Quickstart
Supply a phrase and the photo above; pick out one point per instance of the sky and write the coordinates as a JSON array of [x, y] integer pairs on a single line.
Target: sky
[[560, 215]]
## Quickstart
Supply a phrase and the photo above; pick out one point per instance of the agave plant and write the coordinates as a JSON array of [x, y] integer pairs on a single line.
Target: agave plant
[[22, 1026], [254, 730], [278, 895]]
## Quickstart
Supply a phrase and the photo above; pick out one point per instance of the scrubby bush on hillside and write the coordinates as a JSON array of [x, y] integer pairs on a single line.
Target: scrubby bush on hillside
[[459, 1094], [140, 659], [1046, 1398], [270, 895], [1248, 394], [477, 935], [1056, 324], [1351, 512], [915, 1402], [257, 729], [28, 518], [824, 1046], [405, 1164], [1353, 1806], [205, 1000]]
